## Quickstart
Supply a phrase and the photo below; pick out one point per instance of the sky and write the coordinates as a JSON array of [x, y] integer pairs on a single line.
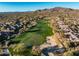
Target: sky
[[31, 6]]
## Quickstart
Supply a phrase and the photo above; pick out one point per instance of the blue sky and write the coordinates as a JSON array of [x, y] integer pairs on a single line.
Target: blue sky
[[30, 6]]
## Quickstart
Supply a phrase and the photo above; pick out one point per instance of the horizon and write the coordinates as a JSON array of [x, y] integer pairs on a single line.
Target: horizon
[[32, 6]]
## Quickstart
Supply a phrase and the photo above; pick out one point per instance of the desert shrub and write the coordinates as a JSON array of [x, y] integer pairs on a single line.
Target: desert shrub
[[71, 52], [19, 50], [68, 53], [36, 51], [76, 53]]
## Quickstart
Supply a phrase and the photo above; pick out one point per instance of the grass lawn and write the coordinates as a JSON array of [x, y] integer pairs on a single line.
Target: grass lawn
[[37, 37]]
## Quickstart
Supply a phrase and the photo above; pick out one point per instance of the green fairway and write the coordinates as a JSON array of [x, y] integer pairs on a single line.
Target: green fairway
[[35, 36]]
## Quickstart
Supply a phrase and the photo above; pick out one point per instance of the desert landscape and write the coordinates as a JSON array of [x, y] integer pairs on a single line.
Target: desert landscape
[[43, 32]]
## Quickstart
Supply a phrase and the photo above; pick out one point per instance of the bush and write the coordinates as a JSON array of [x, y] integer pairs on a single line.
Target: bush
[[23, 50], [71, 52], [68, 53]]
